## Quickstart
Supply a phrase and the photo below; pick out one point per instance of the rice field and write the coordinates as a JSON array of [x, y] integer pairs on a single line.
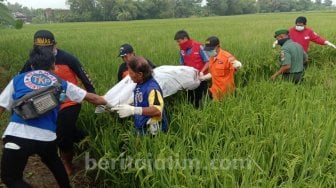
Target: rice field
[[268, 134]]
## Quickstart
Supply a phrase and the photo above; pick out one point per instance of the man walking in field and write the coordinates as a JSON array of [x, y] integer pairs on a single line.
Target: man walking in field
[[292, 58], [193, 55], [303, 35], [222, 66], [70, 69]]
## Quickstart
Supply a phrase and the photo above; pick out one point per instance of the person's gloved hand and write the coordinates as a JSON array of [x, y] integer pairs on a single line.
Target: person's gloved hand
[[330, 44], [205, 77], [126, 110], [275, 43], [237, 64], [106, 107]]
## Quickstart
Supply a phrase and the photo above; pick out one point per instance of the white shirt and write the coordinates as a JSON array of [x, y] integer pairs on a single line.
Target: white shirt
[[73, 92]]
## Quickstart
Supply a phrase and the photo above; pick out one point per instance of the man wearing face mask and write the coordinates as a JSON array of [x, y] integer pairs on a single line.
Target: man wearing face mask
[[222, 66], [68, 68], [292, 58], [193, 55], [303, 35]]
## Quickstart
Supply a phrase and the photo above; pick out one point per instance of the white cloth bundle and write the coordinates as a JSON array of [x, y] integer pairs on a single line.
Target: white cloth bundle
[[170, 78]]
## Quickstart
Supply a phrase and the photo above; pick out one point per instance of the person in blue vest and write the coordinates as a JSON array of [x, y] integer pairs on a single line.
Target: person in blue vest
[[68, 68], [148, 109], [25, 137], [193, 55]]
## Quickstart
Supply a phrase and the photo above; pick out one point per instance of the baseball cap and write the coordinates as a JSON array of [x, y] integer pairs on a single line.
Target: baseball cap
[[280, 31], [44, 38], [211, 43], [125, 49]]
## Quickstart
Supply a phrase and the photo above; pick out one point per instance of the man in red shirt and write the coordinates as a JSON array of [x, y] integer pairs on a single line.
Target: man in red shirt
[[193, 55], [301, 34]]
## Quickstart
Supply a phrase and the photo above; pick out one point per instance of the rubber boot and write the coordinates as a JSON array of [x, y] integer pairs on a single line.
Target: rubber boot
[[67, 162]]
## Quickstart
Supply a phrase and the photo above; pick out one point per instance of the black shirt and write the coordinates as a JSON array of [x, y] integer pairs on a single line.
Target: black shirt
[[123, 68], [64, 58]]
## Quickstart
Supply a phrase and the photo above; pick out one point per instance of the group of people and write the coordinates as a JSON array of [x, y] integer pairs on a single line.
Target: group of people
[[294, 44], [47, 65]]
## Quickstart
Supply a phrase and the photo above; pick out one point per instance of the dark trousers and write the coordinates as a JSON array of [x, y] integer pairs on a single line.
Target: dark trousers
[[14, 161], [293, 77], [67, 132], [195, 96]]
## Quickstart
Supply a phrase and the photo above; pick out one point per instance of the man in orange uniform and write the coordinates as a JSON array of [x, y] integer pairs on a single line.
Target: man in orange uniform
[[222, 66], [67, 67]]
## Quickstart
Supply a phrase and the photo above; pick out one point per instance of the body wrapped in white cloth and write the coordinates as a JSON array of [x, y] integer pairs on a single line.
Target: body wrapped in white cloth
[[170, 78]]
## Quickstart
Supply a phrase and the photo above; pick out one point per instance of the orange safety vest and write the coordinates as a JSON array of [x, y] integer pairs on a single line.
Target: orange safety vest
[[222, 72]]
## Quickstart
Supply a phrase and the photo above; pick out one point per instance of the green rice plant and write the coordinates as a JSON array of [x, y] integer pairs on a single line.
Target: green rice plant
[[266, 134]]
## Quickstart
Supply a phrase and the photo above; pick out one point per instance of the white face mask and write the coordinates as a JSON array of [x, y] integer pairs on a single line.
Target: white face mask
[[299, 27], [212, 53]]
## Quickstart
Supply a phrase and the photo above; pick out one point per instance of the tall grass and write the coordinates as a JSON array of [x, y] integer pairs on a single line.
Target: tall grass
[[284, 133]]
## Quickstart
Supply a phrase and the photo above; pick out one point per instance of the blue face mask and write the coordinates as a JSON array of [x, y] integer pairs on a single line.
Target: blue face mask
[[212, 53]]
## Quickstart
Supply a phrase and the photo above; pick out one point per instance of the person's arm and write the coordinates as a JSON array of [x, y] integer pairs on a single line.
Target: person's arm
[[151, 111], [275, 43], [285, 60], [80, 72], [330, 44], [205, 59], [154, 110], [78, 94], [156, 104], [235, 63], [205, 68], [282, 70], [95, 99], [181, 59], [6, 97], [316, 38]]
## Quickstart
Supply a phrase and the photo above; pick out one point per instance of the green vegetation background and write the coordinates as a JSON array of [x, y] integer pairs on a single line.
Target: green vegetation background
[[286, 131]]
